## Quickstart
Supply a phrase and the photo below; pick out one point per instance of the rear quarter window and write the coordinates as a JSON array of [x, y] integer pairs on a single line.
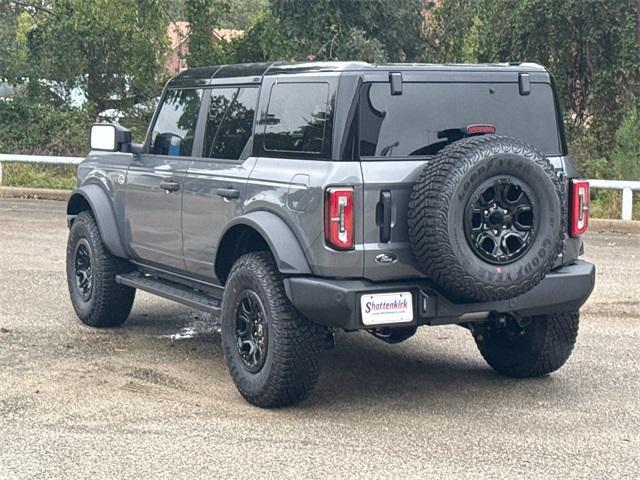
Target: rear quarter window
[[297, 118]]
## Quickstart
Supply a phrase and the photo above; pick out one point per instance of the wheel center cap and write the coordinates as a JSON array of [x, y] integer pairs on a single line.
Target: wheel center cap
[[496, 218]]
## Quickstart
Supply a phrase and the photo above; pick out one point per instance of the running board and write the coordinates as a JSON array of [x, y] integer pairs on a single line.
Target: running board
[[171, 291]]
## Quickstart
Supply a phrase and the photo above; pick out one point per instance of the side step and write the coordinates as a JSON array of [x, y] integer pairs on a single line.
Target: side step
[[171, 291]]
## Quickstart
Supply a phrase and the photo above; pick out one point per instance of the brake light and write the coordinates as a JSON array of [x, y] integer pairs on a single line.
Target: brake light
[[480, 129], [338, 211], [579, 207]]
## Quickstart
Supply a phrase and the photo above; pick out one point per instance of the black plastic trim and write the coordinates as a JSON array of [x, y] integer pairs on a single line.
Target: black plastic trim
[[102, 209], [335, 303]]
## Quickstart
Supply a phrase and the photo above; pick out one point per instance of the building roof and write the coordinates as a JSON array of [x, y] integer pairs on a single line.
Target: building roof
[[179, 31]]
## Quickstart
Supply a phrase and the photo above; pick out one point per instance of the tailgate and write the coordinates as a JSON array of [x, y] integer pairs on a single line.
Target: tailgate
[[387, 186]]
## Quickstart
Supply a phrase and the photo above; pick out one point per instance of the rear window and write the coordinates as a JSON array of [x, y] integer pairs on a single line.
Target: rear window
[[229, 122], [415, 122]]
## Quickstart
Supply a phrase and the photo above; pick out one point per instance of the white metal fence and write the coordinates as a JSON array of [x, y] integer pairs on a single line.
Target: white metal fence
[[627, 187]]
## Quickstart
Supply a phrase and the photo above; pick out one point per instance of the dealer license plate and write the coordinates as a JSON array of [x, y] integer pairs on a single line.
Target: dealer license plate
[[385, 308]]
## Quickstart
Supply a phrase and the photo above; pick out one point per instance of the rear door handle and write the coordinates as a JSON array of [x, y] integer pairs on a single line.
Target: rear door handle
[[170, 186], [228, 193]]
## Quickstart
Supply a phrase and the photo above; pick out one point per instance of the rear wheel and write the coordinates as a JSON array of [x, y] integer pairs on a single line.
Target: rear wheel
[[271, 349], [531, 347], [91, 277]]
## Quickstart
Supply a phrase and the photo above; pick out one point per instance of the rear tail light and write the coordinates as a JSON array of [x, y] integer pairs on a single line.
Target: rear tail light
[[579, 207], [338, 221]]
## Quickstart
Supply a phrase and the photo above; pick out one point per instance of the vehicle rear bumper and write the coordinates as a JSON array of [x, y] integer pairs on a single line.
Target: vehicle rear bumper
[[336, 303]]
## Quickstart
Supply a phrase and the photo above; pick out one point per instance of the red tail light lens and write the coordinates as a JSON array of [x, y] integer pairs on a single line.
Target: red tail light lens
[[579, 207], [480, 129], [338, 211]]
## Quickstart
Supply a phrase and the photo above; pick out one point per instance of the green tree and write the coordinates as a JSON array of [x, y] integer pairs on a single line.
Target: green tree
[[626, 154], [112, 49], [374, 30], [241, 13], [203, 16], [451, 31], [590, 46]]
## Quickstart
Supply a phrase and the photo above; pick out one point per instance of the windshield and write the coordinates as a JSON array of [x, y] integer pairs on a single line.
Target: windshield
[[417, 122]]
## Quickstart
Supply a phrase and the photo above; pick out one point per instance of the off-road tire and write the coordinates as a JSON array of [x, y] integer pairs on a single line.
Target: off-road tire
[[110, 303], [440, 200], [541, 347], [291, 366]]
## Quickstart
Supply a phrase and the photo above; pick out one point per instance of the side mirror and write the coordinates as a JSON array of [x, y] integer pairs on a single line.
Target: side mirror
[[110, 137], [167, 144]]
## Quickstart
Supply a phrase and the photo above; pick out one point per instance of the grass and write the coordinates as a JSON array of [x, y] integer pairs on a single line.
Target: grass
[[608, 204], [604, 203], [39, 176]]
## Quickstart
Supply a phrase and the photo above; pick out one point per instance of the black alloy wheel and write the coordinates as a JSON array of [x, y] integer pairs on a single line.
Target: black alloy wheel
[[83, 269], [500, 220], [251, 331]]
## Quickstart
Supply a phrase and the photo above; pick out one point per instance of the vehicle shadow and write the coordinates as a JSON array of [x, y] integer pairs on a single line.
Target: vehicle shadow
[[426, 373]]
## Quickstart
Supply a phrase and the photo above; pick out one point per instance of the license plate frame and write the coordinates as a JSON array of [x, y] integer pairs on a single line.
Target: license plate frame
[[387, 308]]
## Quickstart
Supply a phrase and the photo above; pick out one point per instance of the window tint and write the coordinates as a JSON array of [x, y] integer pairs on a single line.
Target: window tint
[[416, 122], [175, 126], [296, 118], [229, 122]]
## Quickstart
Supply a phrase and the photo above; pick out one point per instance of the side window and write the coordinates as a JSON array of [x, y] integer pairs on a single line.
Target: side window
[[175, 125], [296, 117], [229, 122]]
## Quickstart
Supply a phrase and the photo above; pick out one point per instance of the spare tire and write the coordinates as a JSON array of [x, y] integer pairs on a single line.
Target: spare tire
[[487, 218]]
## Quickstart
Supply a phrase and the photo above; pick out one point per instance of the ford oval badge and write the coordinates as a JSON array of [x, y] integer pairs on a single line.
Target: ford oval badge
[[386, 258]]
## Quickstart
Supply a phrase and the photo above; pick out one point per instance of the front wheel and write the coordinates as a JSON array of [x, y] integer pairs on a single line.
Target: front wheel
[[271, 349], [91, 276], [531, 347]]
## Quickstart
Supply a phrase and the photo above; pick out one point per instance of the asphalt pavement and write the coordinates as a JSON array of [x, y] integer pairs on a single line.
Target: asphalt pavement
[[153, 398]]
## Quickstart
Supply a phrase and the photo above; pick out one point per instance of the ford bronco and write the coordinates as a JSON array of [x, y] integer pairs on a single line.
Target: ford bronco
[[295, 200]]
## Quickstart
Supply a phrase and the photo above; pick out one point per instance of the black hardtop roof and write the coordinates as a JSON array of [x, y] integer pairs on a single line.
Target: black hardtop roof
[[253, 72]]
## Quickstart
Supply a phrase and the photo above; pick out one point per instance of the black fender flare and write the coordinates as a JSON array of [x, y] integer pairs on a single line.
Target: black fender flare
[[284, 245], [102, 208]]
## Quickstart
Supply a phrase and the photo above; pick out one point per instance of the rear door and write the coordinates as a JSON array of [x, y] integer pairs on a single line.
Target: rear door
[[399, 133], [155, 181], [216, 181]]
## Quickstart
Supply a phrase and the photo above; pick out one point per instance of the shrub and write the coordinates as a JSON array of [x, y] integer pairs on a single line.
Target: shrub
[[626, 155], [34, 128]]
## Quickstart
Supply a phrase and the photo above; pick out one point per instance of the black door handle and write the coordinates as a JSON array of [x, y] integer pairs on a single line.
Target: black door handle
[[170, 186], [228, 193], [385, 213]]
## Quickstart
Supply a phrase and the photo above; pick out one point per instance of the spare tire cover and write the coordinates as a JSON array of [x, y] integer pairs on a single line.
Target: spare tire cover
[[487, 218]]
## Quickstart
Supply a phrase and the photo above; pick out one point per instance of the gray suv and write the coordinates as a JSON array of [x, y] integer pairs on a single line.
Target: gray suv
[[295, 200]]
